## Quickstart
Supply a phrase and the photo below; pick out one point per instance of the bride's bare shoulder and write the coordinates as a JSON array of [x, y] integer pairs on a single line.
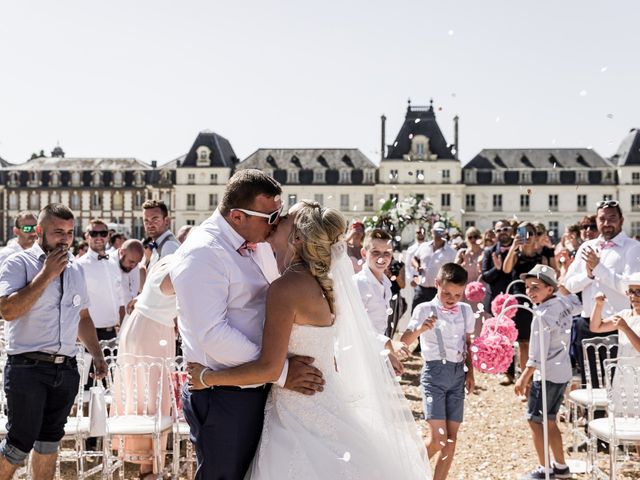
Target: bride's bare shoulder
[[295, 286]]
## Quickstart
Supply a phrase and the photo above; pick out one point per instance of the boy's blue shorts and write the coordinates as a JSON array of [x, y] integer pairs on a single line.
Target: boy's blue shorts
[[555, 395], [443, 390]]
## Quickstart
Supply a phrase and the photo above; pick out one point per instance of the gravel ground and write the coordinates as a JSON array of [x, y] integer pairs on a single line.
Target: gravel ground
[[494, 441]]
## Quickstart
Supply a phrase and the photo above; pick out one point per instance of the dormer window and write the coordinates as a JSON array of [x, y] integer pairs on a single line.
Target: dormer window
[[420, 147], [55, 197], [345, 175], [13, 201], [54, 180], [34, 201], [318, 175], [369, 175], [582, 177], [469, 176], [75, 201], [553, 176], [607, 176], [117, 179], [138, 179], [13, 179], [497, 176], [75, 179], [34, 179], [96, 179], [525, 176], [292, 175], [203, 154]]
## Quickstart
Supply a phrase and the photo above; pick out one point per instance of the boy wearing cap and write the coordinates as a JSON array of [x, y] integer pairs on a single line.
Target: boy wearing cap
[[553, 318]]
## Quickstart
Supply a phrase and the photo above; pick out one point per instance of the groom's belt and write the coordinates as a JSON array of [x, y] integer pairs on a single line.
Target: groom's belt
[[240, 389]]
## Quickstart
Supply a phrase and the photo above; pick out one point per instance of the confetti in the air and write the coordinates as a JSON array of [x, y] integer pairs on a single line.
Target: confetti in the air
[[583, 93], [346, 457]]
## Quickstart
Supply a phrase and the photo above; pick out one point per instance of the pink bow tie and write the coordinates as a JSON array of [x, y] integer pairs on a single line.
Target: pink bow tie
[[247, 248], [452, 310], [607, 244]]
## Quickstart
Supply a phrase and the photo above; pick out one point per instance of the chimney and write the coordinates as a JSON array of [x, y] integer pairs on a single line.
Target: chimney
[[154, 164], [383, 139], [456, 145]]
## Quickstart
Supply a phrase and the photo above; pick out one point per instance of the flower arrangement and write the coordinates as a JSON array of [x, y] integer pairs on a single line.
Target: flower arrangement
[[503, 301], [474, 292], [505, 326], [394, 215], [491, 352]]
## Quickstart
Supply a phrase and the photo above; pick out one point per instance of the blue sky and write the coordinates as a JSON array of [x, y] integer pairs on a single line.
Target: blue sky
[[141, 78]]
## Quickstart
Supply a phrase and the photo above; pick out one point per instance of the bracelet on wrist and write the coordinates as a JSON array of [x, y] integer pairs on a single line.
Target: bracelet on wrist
[[202, 374]]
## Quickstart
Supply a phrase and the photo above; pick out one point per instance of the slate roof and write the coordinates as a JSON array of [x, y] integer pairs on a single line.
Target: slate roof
[[629, 150], [4, 163], [537, 158], [419, 121], [222, 154], [59, 163], [307, 158]]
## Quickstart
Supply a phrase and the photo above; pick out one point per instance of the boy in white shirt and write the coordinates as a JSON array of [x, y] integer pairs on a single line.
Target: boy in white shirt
[[555, 316], [375, 287], [447, 368]]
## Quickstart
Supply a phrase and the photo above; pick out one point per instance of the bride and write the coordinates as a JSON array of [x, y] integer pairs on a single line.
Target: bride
[[359, 426]]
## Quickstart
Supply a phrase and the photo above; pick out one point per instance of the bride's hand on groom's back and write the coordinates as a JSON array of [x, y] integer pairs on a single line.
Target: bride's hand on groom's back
[[302, 377]]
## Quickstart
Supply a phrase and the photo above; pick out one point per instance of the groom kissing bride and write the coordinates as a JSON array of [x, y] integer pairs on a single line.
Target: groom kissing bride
[[287, 379]]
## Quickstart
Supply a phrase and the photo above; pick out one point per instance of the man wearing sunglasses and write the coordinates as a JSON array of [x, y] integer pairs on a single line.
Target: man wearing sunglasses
[[25, 232], [221, 276], [600, 265]]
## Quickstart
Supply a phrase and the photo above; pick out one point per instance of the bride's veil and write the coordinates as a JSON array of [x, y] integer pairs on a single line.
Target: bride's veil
[[367, 378]]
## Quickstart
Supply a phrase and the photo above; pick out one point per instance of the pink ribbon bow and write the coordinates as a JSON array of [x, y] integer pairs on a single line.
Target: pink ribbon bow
[[247, 248], [452, 310], [607, 244]]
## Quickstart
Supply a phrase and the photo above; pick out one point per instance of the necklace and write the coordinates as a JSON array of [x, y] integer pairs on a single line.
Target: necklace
[[290, 267]]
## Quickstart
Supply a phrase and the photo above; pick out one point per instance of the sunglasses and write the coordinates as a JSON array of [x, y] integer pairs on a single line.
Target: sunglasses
[[28, 228], [607, 203], [539, 234], [100, 233], [473, 237], [634, 292], [590, 226], [271, 217], [503, 230]]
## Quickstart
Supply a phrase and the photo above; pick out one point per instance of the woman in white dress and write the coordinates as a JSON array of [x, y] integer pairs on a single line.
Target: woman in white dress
[[627, 324], [359, 426]]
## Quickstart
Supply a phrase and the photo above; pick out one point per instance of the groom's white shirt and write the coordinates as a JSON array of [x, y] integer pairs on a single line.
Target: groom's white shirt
[[221, 296]]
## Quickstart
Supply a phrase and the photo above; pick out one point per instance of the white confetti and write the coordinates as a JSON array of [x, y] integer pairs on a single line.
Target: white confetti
[[348, 347], [417, 120], [429, 399], [450, 33], [346, 457], [583, 93], [389, 311], [604, 69], [441, 431], [163, 343]]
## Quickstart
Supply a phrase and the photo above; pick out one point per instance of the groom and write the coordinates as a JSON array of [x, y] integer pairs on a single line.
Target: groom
[[221, 280]]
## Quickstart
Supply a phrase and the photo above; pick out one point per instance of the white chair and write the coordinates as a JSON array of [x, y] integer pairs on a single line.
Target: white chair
[[181, 431], [77, 426], [591, 399], [621, 427], [137, 385]]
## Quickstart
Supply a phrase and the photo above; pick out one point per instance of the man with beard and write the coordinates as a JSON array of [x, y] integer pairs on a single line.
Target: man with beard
[[43, 299], [492, 274], [601, 265], [128, 258], [155, 216], [25, 232]]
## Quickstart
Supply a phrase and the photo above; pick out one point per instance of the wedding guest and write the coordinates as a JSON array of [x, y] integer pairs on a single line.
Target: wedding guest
[[588, 228], [411, 273], [115, 242], [397, 305], [128, 258], [354, 245], [43, 300], [601, 264], [566, 250], [24, 230], [375, 287], [447, 368], [470, 257], [493, 275], [544, 246], [183, 232], [488, 238], [81, 248], [155, 217], [429, 257], [523, 255], [149, 331], [554, 326], [104, 282]]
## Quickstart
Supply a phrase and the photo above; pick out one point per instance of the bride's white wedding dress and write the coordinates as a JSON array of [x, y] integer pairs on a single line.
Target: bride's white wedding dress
[[341, 432]]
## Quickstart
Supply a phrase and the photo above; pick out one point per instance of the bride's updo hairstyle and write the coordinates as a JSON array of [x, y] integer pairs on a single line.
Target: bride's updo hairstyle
[[319, 228]]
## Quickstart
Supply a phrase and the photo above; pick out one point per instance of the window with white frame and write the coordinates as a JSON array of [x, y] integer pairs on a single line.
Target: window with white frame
[[393, 197], [191, 201], [191, 179], [191, 222], [75, 179], [369, 175], [607, 176], [54, 197], [138, 178], [497, 202], [524, 203], [553, 203], [13, 201], [345, 176], [213, 179], [138, 200], [582, 202], [292, 175], [446, 176], [469, 224], [393, 175], [97, 179], [635, 178], [553, 176], [470, 202], [420, 176], [292, 199], [445, 200], [318, 175], [607, 197], [213, 200], [525, 176], [635, 229], [54, 179], [116, 201], [344, 202], [203, 154], [117, 178], [138, 228], [497, 176], [553, 229], [368, 202], [635, 201], [582, 177], [96, 201], [75, 201], [470, 176], [318, 198]]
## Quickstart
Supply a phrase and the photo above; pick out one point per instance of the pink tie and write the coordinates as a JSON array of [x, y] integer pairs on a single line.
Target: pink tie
[[247, 248], [608, 244], [452, 310]]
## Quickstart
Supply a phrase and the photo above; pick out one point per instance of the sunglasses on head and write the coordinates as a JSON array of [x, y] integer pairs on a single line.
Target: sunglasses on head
[[271, 217], [607, 204], [98, 233], [589, 226], [28, 228]]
